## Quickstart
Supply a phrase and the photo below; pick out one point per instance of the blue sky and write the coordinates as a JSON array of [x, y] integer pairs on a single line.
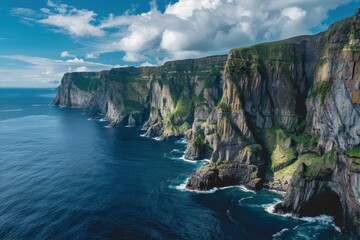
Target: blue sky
[[40, 40]]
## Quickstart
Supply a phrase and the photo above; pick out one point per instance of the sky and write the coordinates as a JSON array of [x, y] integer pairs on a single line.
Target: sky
[[40, 40]]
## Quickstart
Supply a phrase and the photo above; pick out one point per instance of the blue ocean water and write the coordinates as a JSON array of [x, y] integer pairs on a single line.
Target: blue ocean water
[[63, 176]]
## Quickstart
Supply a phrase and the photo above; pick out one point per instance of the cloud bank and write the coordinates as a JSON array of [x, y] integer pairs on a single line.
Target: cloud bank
[[39, 71], [187, 28]]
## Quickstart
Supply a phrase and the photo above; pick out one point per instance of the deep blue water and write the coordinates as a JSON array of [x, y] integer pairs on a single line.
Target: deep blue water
[[65, 177]]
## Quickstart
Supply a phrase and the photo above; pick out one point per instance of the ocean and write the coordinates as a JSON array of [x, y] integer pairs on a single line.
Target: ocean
[[65, 176]]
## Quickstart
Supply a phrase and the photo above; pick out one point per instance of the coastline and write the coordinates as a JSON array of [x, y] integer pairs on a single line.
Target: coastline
[[269, 207]]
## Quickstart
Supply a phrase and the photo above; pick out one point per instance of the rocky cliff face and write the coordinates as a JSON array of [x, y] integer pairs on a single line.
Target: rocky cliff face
[[283, 115], [166, 99], [331, 185]]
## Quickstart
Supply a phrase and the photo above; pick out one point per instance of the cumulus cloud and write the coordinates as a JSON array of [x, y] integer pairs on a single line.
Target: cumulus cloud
[[75, 60], [66, 54], [91, 56], [78, 23], [192, 28], [189, 28]]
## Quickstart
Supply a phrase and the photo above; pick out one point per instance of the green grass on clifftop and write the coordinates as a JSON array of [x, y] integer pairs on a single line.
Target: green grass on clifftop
[[255, 59], [85, 83]]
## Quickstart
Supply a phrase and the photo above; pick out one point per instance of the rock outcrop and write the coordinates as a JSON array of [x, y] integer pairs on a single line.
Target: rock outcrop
[[283, 115]]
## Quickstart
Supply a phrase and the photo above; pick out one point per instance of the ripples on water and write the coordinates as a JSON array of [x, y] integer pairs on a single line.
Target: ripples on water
[[62, 177]]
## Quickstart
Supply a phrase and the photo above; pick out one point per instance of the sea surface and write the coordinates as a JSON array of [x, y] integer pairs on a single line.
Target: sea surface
[[65, 176]]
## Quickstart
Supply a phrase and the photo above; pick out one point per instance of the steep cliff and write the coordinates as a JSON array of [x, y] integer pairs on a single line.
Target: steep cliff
[[166, 99], [284, 115], [294, 105], [329, 183]]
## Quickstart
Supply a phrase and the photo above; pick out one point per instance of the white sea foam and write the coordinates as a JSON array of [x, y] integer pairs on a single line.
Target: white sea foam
[[11, 110], [321, 219], [270, 207], [38, 105], [157, 138], [183, 158], [336, 227], [182, 187], [143, 135], [181, 141], [205, 160], [187, 160], [244, 198], [282, 193], [279, 234], [244, 189], [102, 120]]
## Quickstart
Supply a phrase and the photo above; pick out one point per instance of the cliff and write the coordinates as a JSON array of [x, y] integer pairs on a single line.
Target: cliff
[[284, 115], [166, 100]]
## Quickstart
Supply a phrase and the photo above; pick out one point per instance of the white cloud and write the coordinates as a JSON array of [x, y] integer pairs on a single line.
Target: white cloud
[[188, 28], [82, 69], [72, 21], [147, 64], [22, 12], [91, 56], [185, 9], [133, 57], [121, 66], [192, 28], [66, 54], [294, 13], [37, 70], [75, 60]]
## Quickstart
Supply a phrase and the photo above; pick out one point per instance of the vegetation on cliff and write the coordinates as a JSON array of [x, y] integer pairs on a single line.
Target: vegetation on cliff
[[88, 82]]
